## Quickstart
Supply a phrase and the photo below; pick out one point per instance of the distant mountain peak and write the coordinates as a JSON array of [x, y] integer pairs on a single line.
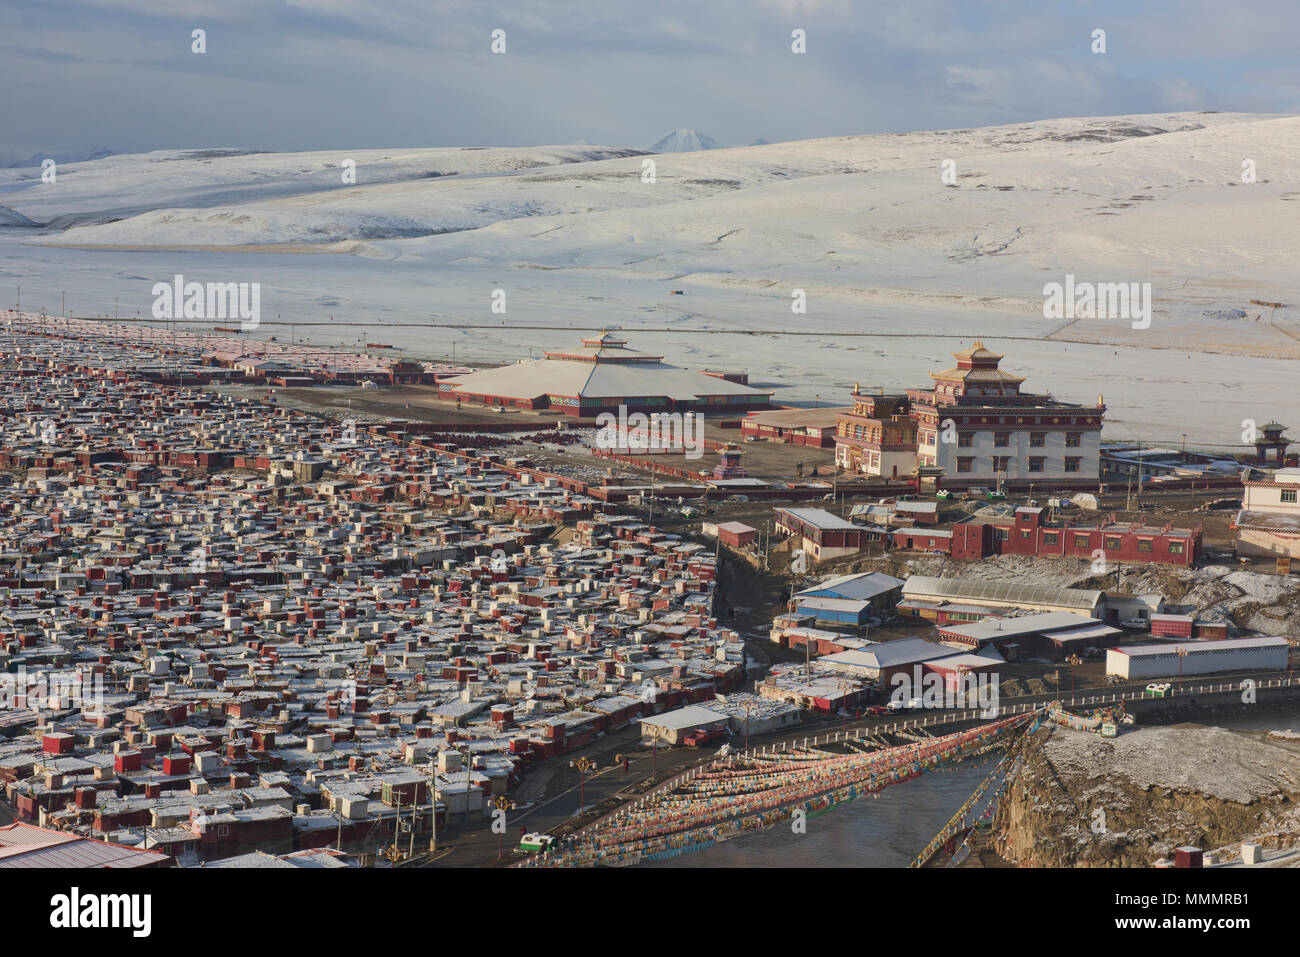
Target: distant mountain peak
[[684, 141], [80, 156]]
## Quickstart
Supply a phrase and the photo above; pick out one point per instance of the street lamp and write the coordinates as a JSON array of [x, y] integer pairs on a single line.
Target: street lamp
[[748, 706], [469, 774], [963, 685], [502, 804], [1181, 652], [654, 751], [846, 686], [582, 765], [1073, 661]]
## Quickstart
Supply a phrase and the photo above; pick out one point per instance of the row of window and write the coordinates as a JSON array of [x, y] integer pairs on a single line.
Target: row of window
[[1037, 440], [1002, 463], [1111, 543]]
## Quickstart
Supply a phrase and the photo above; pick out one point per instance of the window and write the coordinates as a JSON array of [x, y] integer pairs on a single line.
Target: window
[[1072, 439], [1144, 544], [1001, 439], [1082, 541], [1037, 440], [964, 463], [1175, 548], [1288, 494], [1113, 543], [1072, 463], [1003, 534], [1051, 538], [1036, 463], [1001, 463], [964, 440]]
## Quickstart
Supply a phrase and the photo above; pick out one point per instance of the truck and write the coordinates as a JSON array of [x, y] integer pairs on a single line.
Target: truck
[[912, 704], [535, 843], [699, 737]]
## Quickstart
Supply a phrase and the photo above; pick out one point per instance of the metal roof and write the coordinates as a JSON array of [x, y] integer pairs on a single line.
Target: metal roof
[[971, 589], [818, 518], [860, 586], [23, 845], [1210, 646]]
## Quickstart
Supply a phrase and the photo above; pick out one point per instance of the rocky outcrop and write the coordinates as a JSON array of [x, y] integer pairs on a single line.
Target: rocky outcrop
[[1081, 800]]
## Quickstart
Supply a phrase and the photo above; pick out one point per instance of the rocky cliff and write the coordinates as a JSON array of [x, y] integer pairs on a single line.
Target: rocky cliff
[[1081, 800]]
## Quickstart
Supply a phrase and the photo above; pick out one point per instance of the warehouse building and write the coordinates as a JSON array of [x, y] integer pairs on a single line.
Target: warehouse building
[[1198, 657], [924, 594], [1051, 634]]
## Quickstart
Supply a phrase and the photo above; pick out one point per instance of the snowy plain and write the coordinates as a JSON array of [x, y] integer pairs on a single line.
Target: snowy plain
[[899, 267]]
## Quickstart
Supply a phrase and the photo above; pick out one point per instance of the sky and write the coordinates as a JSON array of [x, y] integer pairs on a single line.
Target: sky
[[316, 74]]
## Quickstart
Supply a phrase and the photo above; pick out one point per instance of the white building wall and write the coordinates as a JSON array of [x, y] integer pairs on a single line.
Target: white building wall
[[1019, 451], [1207, 662], [1268, 498]]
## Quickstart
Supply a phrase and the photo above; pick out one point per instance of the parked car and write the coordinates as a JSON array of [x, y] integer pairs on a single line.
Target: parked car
[[1134, 624], [877, 709], [1159, 690], [943, 495]]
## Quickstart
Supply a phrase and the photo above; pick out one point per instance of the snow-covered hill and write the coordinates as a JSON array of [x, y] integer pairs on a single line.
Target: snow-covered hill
[[948, 234]]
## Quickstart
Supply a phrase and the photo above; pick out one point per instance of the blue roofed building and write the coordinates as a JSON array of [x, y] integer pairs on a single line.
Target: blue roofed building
[[849, 601]]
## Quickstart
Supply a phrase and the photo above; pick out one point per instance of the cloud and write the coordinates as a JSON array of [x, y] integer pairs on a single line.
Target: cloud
[[299, 74]]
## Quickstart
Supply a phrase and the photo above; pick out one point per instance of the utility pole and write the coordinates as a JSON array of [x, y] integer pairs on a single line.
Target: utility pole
[[1139, 499], [433, 805], [397, 825]]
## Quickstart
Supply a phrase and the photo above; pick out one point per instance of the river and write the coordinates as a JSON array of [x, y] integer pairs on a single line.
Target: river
[[891, 828]]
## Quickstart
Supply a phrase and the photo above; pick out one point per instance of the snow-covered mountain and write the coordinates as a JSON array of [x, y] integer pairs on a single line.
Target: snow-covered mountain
[[79, 156], [684, 141], [9, 217]]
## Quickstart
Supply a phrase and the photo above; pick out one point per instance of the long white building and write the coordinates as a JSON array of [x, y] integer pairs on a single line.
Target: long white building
[[1201, 658]]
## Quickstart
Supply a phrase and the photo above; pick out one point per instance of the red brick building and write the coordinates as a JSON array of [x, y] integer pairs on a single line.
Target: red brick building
[[1029, 534]]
